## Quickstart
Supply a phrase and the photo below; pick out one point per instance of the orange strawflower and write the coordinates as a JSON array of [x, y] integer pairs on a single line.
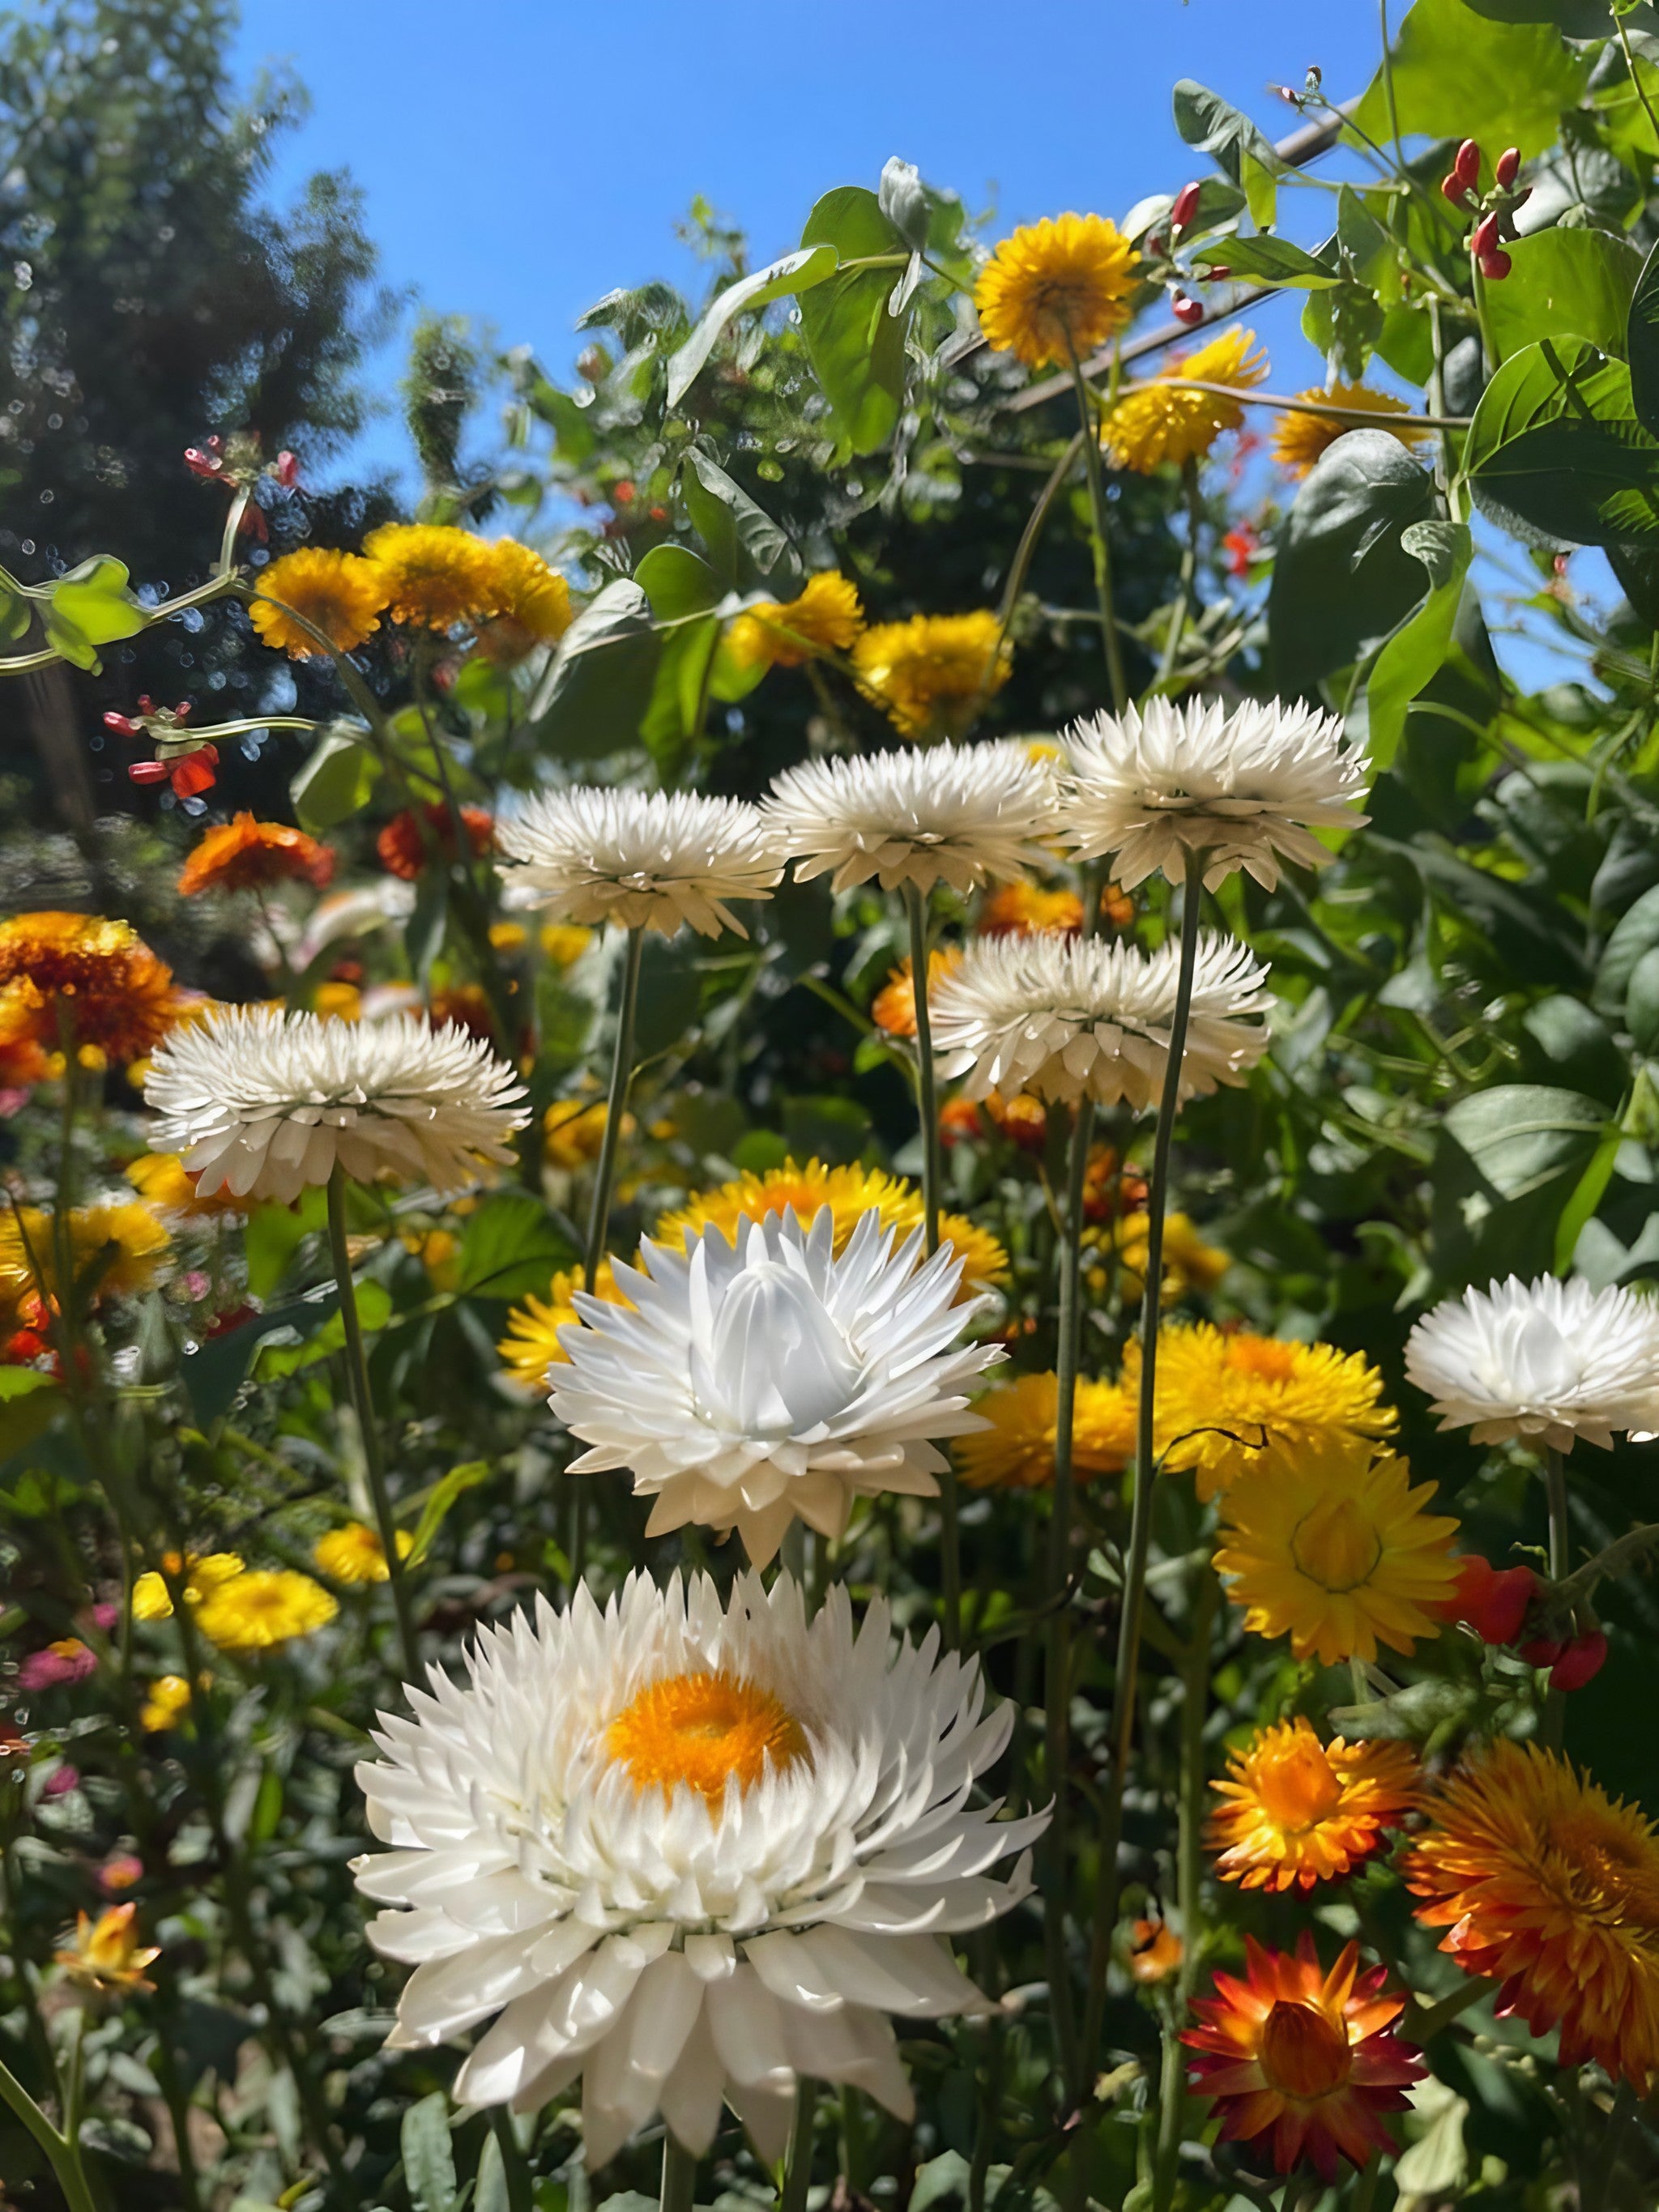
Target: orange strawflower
[[466, 1005], [1023, 1119], [1156, 1952], [404, 851], [243, 854], [531, 602], [1547, 1883], [1308, 2059], [104, 1956], [1023, 909], [895, 1005], [1294, 1811], [82, 977]]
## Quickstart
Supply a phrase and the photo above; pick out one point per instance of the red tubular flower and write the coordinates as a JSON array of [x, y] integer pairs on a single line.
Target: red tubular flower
[[1190, 312], [1581, 1661], [1491, 1601], [1185, 208], [1466, 166]]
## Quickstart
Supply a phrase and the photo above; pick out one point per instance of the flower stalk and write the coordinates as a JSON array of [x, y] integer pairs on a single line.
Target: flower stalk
[[63, 2156], [917, 913], [1112, 644], [679, 2176], [1555, 1484], [621, 1078], [797, 2176]]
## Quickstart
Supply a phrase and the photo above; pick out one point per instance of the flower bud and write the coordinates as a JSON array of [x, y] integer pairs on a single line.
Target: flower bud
[[1496, 265], [148, 771], [1466, 166], [1493, 1601], [122, 725], [1581, 1663], [1485, 240], [1542, 1650], [1509, 166], [1190, 312], [287, 470], [1185, 208], [1454, 188]]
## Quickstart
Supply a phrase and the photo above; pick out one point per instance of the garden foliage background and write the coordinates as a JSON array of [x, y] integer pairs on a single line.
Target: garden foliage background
[[1460, 1084]]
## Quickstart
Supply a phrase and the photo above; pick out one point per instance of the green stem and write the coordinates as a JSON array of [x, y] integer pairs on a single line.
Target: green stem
[[916, 913], [1110, 640], [1140, 1519], [1189, 1871], [1635, 78], [798, 2161], [1188, 575], [1555, 1484], [679, 2176], [61, 2157], [622, 1078], [363, 1402], [521, 2184]]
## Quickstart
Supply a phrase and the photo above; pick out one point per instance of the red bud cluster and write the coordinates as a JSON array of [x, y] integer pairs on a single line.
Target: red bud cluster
[[189, 764], [1461, 185], [1495, 1601]]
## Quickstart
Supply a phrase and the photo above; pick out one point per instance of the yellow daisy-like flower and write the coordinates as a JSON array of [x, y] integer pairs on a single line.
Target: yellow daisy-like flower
[[1016, 1452], [1547, 1883], [563, 942], [1333, 1547], [1294, 1811], [256, 1612], [203, 1573], [166, 1702], [355, 1553], [1300, 440], [435, 576], [340, 594], [1027, 910], [161, 1180], [532, 1344], [125, 1242], [87, 973], [850, 1193], [342, 1001], [104, 1956], [825, 618], [1161, 421], [531, 602], [932, 674], [894, 1006], [1057, 288], [574, 1132], [1225, 1394], [1189, 1263]]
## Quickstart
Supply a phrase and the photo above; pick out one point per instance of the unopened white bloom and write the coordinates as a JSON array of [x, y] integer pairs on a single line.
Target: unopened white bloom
[[1063, 1015], [688, 1852], [1244, 787], [752, 1384], [648, 860], [262, 1103], [1550, 1360], [952, 814]]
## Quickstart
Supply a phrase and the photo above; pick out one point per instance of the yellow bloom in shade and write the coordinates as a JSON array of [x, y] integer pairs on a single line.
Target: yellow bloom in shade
[[574, 1132], [1224, 1394], [1189, 1263], [104, 1956], [1294, 1811], [1300, 440], [166, 1701], [1549, 1886], [1057, 288], [1024, 910], [1161, 420], [508, 937], [203, 1574], [1016, 1452], [894, 1006], [825, 618], [355, 1553], [344, 1001], [435, 576], [123, 1242], [161, 1179], [340, 594], [532, 601], [850, 1193], [563, 942], [932, 674], [1333, 1547], [255, 1612], [532, 1344]]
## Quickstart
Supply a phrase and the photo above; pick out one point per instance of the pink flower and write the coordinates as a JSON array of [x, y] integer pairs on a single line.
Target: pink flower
[[69, 1660], [61, 1780], [119, 1871]]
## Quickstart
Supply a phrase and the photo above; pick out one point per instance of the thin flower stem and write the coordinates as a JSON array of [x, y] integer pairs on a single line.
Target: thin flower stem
[[1091, 432], [679, 2176], [1188, 575], [798, 2159], [622, 1078], [1140, 1520], [915, 908], [363, 1402], [521, 2182], [1364, 418], [1189, 1870], [1555, 1485], [62, 2157]]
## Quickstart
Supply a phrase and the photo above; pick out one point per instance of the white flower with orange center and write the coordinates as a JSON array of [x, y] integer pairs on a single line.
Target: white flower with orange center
[[750, 1384], [688, 1852]]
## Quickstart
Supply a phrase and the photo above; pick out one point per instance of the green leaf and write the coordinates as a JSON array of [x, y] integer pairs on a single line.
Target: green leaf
[[1574, 19], [748, 548], [1508, 1160], [91, 606], [373, 1312], [1413, 656], [1586, 1195], [1370, 251], [856, 345], [1342, 581], [511, 1245], [16, 610], [440, 1498], [428, 919], [594, 695], [215, 1371], [428, 2159], [1565, 283], [1641, 344], [29, 1401], [1635, 934], [335, 781], [1642, 1003], [1556, 451], [1460, 75], [490, 2193], [273, 1235], [1216, 128], [1273, 260], [680, 585], [833, 1130], [795, 272]]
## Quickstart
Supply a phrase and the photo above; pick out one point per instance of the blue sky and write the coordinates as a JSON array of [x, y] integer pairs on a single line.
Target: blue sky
[[522, 157]]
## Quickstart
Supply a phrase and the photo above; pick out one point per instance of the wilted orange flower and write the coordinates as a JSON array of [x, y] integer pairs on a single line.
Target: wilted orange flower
[[959, 1122], [894, 1008], [1547, 1883], [1023, 909], [1156, 1951], [531, 602], [97, 976], [1306, 2058], [243, 854], [404, 851], [104, 1956], [1023, 1119], [1294, 1811], [434, 576]]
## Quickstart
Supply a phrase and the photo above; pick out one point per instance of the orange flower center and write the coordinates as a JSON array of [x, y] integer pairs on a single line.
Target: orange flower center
[[701, 1729], [1262, 1356], [1335, 1545], [1609, 1876], [1297, 1785], [1304, 2055]]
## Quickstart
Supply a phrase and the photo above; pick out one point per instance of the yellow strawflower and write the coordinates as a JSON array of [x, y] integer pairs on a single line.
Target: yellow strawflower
[[532, 601], [1057, 287], [435, 576], [166, 1701], [355, 1553], [575, 1132], [203, 1574], [1016, 1452], [1300, 440], [932, 674], [1160, 421], [161, 1179], [532, 1344], [104, 1956], [128, 1237], [256, 1612], [1294, 1811], [1190, 1262], [340, 594], [826, 617], [563, 942]]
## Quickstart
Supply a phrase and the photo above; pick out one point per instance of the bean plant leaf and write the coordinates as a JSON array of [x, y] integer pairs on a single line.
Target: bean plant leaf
[[15, 609], [854, 340], [91, 606], [594, 694], [1508, 1160], [1556, 449], [513, 1246], [442, 1496], [746, 547], [1218, 128], [1574, 19], [1565, 283], [335, 779], [1412, 656], [216, 1370], [1641, 344], [1273, 260], [796, 272], [1458, 74], [684, 592], [428, 2159]]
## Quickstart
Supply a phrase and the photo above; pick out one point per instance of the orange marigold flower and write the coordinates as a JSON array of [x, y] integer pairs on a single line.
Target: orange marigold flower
[[339, 594], [435, 576], [243, 854], [531, 602], [894, 1008], [1294, 1811], [1300, 440], [1023, 909], [404, 851], [80, 974], [1309, 2060], [1547, 1883]]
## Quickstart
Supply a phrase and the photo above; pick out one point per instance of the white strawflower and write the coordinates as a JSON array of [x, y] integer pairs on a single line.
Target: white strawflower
[[1244, 787], [648, 860], [262, 1103], [1063, 1015], [945, 813], [689, 1853], [754, 1383], [1550, 1360]]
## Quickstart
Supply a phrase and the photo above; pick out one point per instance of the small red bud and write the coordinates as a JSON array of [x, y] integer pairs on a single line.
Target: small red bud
[[1495, 266], [1508, 167], [181, 712], [1454, 188], [146, 704], [1190, 312], [287, 470], [1581, 1663], [122, 725], [622, 493], [1542, 1651], [1467, 164], [1185, 208], [1484, 240], [148, 771], [1218, 273]]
